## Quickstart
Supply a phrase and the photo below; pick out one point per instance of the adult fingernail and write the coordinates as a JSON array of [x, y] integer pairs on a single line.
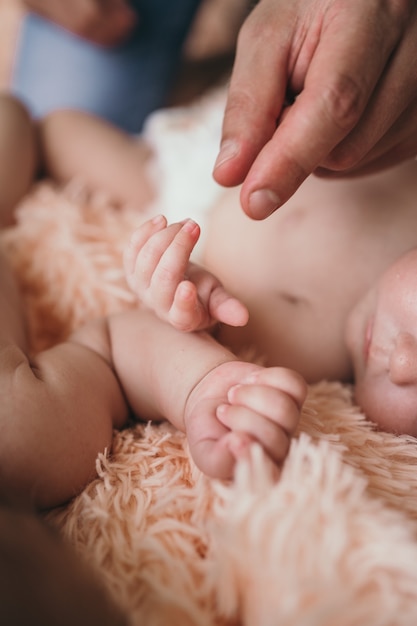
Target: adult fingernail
[[228, 150], [262, 203]]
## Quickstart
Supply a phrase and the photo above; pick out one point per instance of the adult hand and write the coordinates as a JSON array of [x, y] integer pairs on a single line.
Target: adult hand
[[105, 22], [325, 86]]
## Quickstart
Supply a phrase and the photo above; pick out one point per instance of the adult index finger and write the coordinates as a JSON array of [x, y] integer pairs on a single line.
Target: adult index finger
[[256, 92], [339, 80]]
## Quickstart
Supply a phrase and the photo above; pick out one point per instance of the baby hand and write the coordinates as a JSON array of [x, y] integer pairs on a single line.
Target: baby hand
[[236, 404], [159, 271]]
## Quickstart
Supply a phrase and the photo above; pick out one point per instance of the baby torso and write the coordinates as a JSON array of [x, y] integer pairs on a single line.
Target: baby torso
[[301, 270]]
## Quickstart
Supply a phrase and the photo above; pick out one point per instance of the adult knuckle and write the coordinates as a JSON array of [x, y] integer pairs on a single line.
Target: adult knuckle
[[250, 31], [343, 101], [261, 23], [344, 157], [399, 10], [86, 17], [239, 100], [242, 115]]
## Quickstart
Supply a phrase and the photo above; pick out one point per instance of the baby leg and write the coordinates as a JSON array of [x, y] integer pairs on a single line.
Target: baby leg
[[18, 155], [57, 410], [78, 145]]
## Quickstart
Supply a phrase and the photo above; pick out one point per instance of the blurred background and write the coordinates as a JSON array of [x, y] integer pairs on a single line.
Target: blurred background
[[207, 56]]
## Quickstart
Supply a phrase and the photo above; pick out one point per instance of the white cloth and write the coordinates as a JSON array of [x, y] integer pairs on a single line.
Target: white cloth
[[185, 142]]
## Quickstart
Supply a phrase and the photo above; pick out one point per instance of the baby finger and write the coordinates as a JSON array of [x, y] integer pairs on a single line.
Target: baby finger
[[274, 439], [274, 404], [173, 262], [149, 258], [186, 313], [283, 378], [136, 242]]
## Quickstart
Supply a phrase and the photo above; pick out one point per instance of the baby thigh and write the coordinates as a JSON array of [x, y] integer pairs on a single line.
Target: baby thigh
[[57, 413]]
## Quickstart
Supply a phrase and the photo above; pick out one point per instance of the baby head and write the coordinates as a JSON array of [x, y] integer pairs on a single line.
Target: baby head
[[381, 337]]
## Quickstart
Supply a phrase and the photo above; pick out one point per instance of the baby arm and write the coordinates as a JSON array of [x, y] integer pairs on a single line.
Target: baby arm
[[222, 404], [229, 404], [159, 271], [76, 144]]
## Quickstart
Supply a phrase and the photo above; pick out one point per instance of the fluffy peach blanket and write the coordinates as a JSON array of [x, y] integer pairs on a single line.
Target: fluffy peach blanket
[[332, 542]]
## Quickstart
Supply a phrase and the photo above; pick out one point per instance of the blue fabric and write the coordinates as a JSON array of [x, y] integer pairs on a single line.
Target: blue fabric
[[123, 84]]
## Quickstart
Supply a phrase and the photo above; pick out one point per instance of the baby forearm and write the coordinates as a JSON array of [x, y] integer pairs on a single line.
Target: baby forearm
[[158, 366]]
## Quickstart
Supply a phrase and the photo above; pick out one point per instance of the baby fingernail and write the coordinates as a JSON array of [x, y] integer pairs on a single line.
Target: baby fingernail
[[221, 410], [186, 292], [228, 150], [189, 226], [262, 203], [232, 392]]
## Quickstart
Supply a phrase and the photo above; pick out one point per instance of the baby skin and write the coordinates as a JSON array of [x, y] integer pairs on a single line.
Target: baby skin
[[380, 329], [60, 407], [310, 288]]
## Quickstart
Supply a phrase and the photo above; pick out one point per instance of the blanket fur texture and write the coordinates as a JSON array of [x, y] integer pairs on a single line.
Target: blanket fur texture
[[331, 542]]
